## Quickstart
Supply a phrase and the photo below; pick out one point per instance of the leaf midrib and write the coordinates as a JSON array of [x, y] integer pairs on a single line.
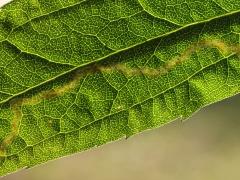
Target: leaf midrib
[[111, 114], [109, 55]]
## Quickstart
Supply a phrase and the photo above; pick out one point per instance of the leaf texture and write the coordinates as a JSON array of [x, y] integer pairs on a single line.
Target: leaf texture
[[78, 74]]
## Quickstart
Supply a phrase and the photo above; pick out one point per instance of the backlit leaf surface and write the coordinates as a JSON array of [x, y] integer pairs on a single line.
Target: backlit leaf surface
[[77, 74]]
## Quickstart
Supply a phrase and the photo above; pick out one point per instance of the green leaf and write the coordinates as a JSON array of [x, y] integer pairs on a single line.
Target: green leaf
[[78, 74]]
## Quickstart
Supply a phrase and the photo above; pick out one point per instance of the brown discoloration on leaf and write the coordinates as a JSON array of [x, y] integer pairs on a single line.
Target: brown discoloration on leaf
[[223, 47], [16, 107], [16, 104], [17, 116]]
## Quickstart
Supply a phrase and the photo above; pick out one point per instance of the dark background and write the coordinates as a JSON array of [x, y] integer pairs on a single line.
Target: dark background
[[206, 146]]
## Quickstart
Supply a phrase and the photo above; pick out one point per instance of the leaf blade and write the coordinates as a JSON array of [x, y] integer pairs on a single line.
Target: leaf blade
[[128, 92]]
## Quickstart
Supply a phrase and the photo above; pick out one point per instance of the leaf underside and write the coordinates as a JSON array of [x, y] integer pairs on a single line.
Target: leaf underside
[[80, 73]]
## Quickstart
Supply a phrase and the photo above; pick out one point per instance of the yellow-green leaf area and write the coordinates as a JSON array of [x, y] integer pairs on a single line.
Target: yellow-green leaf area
[[80, 73]]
